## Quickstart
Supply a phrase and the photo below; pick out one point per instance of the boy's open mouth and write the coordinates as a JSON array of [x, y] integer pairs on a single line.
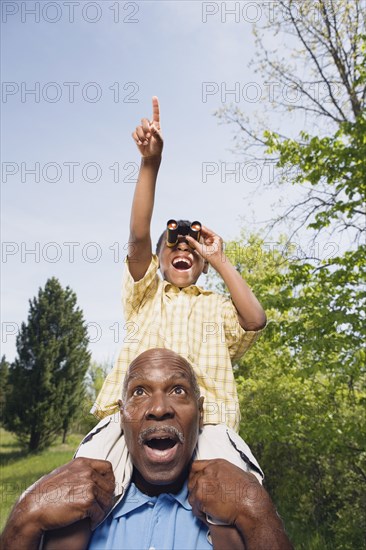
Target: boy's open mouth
[[182, 263]]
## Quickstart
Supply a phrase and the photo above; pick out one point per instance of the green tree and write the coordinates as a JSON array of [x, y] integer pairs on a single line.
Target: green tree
[[302, 387], [47, 377], [325, 72], [95, 376], [302, 391], [4, 386]]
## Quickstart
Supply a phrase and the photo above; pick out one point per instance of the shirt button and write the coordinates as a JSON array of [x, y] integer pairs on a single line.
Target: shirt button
[[151, 548], [151, 504]]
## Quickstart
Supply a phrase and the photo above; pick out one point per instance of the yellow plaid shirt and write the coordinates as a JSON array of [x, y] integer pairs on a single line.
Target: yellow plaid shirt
[[200, 325]]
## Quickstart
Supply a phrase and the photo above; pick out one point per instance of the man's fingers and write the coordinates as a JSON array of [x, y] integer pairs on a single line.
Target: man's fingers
[[101, 466], [99, 480], [96, 515], [199, 465], [197, 469], [104, 483], [156, 112], [102, 497]]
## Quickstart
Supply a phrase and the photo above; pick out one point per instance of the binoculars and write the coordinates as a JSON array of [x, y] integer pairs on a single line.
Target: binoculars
[[173, 229]]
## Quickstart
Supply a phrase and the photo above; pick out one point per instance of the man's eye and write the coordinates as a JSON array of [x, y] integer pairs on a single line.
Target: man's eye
[[178, 390], [138, 391]]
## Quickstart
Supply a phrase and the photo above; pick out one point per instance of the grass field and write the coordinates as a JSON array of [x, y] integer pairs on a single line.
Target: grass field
[[19, 469]]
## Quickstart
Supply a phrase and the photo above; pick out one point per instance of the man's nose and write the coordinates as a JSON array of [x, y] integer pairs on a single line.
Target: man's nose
[[159, 408]]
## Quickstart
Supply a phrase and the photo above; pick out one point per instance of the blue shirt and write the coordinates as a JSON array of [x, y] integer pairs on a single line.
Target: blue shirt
[[141, 522]]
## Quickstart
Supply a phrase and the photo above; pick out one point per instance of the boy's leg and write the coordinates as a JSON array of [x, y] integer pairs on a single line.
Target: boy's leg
[[220, 441]]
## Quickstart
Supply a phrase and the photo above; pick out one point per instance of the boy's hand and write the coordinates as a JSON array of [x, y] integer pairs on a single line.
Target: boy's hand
[[148, 136], [209, 247]]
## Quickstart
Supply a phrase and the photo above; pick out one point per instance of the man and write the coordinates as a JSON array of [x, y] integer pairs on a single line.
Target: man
[[167, 502]]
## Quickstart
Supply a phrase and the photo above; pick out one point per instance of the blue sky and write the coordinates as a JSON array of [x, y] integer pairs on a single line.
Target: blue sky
[[94, 67]]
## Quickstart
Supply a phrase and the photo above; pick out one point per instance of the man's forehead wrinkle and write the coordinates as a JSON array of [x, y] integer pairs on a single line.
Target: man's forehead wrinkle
[[161, 357], [134, 376], [140, 377]]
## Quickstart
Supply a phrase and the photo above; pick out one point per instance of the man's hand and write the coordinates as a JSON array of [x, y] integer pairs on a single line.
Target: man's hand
[[83, 488], [209, 247], [223, 491], [228, 494], [148, 136]]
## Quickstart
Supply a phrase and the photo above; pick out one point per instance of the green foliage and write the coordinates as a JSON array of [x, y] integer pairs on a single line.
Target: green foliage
[[4, 386], [95, 376], [302, 387], [326, 69], [302, 390], [334, 166], [47, 377]]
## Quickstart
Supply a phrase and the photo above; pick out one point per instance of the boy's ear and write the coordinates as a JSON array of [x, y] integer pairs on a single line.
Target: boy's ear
[[205, 267]]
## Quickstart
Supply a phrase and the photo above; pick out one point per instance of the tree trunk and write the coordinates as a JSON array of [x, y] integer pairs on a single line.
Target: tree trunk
[[34, 441]]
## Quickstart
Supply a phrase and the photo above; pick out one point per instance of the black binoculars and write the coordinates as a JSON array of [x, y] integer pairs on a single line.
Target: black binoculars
[[173, 229]]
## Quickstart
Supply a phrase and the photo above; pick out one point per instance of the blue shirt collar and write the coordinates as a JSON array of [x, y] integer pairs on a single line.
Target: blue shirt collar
[[134, 499]]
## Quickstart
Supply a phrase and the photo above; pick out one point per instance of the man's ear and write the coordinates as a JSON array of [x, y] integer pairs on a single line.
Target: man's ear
[[205, 267], [120, 406], [200, 408]]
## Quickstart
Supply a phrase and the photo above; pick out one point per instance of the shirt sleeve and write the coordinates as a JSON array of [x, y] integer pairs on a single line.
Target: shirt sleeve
[[135, 293], [238, 339]]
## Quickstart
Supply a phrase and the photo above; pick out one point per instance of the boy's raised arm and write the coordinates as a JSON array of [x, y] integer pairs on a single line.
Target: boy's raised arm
[[149, 142]]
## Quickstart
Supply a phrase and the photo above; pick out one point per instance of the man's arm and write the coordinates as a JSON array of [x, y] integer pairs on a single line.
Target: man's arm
[[81, 489], [150, 144], [228, 494], [251, 315]]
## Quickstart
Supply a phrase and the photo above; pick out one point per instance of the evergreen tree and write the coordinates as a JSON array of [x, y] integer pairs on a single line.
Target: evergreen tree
[[4, 386], [47, 377]]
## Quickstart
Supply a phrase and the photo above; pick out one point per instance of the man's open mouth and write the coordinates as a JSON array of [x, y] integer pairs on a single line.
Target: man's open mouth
[[161, 449], [182, 263], [161, 444]]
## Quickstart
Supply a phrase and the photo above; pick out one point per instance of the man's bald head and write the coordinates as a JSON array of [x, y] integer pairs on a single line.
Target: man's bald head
[[159, 355]]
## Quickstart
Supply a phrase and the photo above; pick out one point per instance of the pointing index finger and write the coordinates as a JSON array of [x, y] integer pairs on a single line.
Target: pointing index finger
[[156, 111]]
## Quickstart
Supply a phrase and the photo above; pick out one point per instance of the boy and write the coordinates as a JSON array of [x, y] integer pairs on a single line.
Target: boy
[[204, 327]]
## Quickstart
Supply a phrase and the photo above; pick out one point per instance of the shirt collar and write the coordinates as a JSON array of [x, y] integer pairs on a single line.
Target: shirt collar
[[134, 499], [192, 289]]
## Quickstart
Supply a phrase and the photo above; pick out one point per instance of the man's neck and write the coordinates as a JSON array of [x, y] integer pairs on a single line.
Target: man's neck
[[153, 490]]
